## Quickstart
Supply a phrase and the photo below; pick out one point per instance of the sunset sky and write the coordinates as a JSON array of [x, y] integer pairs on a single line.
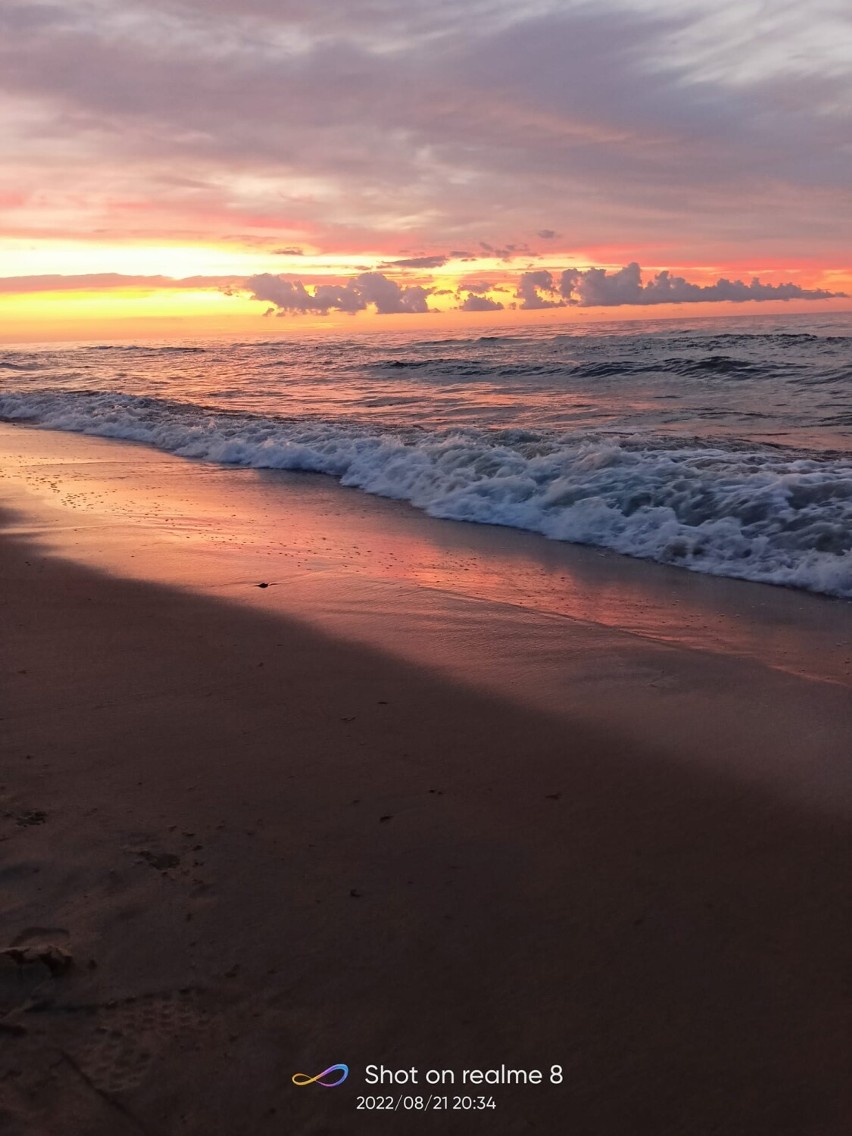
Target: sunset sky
[[193, 166]]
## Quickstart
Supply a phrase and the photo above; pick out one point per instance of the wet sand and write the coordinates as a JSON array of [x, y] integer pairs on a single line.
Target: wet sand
[[268, 848]]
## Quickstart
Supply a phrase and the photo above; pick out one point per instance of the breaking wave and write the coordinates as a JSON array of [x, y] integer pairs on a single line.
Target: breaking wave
[[729, 509]]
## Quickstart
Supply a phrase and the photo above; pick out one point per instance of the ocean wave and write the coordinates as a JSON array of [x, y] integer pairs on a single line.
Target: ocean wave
[[28, 365], [745, 511], [469, 368], [717, 365], [146, 349], [725, 366], [708, 339]]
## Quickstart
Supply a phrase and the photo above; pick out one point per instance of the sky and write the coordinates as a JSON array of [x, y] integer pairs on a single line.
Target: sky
[[198, 166]]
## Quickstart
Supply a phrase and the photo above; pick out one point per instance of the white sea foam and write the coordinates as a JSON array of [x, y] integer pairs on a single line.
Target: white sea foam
[[750, 512]]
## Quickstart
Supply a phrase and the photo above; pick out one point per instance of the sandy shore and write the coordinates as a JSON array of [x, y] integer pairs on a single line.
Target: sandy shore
[[269, 849]]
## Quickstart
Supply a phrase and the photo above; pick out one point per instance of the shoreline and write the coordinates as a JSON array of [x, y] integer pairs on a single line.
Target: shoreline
[[720, 505], [172, 500], [573, 632], [283, 846]]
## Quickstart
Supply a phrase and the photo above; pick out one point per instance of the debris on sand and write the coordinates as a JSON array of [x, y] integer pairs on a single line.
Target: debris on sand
[[162, 861], [30, 817], [57, 960]]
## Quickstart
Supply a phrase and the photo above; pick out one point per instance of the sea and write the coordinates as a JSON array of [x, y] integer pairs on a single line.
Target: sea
[[719, 445]]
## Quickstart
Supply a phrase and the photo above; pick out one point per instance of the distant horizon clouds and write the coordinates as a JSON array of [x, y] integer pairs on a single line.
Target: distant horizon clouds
[[355, 295], [531, 291], [592, 287], [596, 287]]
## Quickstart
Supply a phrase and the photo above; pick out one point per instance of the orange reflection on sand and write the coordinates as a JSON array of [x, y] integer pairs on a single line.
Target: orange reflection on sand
[[333, 550], [387, 540]]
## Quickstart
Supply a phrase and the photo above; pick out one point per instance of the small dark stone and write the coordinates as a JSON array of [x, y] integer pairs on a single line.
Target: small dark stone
[[162, 861], [31, 816]]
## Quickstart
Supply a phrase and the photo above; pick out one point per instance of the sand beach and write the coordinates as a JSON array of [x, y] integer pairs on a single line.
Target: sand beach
[[267, 830]]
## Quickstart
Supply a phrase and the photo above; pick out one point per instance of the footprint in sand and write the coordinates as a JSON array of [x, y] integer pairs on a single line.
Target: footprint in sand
[[115, 1045]]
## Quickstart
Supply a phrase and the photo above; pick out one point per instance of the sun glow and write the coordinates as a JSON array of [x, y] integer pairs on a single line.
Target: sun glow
[[120, 313], [86, 289], [135, 258]]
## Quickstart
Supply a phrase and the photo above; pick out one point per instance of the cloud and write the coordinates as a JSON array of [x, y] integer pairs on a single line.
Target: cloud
[[696, 132], [506, 252], [95, 281], [416, 262], [290, 250], [530, 288], [473, 303], [595, 287], [370, 288], [388, 297], [548, 234], [474, 285], [536, 289]]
